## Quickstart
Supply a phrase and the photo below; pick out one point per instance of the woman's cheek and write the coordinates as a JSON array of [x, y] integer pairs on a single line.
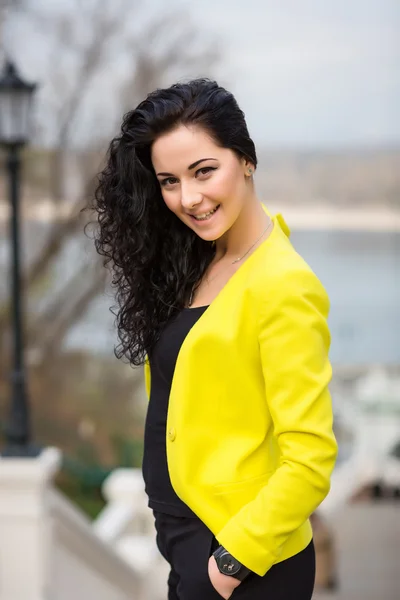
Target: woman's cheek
[[170, 201]]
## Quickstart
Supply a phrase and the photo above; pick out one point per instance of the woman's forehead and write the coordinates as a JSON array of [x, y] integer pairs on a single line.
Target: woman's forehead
[[183, 146]]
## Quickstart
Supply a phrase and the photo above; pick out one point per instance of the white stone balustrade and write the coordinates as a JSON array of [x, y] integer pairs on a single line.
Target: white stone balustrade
[[128, 524], [374, 419], [48, 549]]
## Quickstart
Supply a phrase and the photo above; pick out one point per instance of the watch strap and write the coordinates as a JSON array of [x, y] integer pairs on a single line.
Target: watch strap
[[225, 560]]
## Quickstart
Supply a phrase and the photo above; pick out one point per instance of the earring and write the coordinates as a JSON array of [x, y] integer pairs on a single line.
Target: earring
[[250, 171]]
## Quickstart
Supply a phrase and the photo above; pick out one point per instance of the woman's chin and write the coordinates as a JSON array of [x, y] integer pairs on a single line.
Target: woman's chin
[[209, 234], [207, 237]]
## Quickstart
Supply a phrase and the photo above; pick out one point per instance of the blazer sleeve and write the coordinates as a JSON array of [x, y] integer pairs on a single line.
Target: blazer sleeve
[[147, 377], [294, 342]]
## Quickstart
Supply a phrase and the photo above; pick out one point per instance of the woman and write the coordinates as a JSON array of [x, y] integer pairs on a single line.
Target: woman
[[231, 323]]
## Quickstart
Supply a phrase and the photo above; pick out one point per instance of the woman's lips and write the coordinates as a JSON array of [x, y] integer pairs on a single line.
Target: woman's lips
[[208, 216]]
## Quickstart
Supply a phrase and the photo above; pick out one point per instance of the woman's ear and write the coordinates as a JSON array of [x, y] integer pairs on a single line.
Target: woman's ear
[[248, 168]]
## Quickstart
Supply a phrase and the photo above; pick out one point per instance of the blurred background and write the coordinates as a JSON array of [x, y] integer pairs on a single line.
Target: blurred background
[[319, 83]]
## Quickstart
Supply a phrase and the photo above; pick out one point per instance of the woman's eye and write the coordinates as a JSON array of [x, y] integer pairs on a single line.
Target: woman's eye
[[205, 170], [168, 181]]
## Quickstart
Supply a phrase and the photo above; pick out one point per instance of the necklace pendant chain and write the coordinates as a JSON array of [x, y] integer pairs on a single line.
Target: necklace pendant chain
[[252, 246], [234, 261]]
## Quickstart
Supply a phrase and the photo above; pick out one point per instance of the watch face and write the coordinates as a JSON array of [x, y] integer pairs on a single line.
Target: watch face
[[228, 565]]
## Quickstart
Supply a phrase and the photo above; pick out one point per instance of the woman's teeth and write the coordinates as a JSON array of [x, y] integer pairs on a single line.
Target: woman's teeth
[[206, 216]]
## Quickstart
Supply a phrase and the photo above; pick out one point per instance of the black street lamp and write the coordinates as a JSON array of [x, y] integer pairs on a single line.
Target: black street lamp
[[15, 112]]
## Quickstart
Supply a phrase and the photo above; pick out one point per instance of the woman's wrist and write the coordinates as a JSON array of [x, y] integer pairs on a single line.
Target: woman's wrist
[[228, 565], [223, 584]]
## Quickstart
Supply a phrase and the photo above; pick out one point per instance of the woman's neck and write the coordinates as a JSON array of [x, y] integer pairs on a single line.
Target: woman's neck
[[249, 225]]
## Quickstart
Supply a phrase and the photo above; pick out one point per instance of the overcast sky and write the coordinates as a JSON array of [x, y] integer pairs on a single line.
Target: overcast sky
[[313, 72], [310, 73]]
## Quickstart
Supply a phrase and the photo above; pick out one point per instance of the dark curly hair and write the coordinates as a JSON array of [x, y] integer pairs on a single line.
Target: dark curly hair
[[155, 259]]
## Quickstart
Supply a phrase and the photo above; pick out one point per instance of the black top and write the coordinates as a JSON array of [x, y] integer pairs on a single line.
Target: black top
[[162, 496]]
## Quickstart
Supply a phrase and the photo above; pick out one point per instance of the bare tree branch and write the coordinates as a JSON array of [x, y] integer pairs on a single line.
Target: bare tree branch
[[61, 304], [103, 31], [174, 48], [54, 336], [59, 234], [152, 67]]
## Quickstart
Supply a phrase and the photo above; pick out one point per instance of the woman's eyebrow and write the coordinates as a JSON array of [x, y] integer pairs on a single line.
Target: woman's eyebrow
[[190, 167], [193, 165]]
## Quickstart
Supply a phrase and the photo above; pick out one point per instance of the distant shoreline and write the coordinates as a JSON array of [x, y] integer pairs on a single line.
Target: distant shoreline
[[310, 217], [329, 217]]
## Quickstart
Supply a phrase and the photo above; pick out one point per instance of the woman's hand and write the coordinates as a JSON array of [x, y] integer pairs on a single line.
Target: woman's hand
[[223, 584]]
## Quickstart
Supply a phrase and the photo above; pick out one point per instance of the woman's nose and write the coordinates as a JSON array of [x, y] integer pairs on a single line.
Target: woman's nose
[[190, 198]]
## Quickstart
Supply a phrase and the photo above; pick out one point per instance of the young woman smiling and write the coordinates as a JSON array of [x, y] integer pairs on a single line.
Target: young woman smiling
[[231, 326]]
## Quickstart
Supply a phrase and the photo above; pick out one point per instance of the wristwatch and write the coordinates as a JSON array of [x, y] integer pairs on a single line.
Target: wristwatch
[[228, 565]]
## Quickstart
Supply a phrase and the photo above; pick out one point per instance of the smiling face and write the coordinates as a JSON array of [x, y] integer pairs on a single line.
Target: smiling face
[[206, 186]]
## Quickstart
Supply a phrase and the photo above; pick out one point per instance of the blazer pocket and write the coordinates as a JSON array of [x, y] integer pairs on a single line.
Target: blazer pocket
[[231, 497]]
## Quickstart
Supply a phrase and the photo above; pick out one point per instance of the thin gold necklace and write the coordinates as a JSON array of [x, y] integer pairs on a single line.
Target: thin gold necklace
[[234, 261]]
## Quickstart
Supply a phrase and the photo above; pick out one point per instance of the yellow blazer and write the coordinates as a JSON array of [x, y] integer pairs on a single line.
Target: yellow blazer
[[250, 446]]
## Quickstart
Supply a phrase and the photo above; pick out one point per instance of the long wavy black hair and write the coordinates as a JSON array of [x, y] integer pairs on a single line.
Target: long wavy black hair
[[155, 259]]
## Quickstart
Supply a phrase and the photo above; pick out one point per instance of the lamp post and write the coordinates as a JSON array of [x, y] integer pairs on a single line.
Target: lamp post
[[15, 111]]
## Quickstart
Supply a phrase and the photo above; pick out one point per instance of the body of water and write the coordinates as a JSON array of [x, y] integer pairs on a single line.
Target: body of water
[[360, 270]]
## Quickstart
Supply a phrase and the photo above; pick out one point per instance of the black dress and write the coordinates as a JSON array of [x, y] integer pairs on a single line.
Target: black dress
[[182, 538], [162, 497]]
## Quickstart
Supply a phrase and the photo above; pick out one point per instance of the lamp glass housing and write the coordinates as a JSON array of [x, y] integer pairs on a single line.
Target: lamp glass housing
[[15, 107]]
